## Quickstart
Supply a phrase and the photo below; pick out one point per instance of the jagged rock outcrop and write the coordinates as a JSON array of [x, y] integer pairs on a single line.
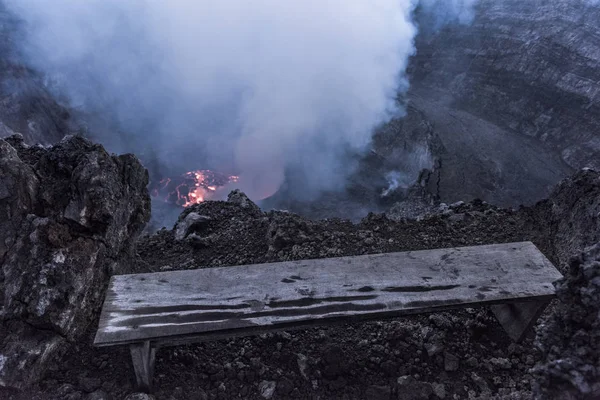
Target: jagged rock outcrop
[[571, 214], [69, 217], [570, 339]]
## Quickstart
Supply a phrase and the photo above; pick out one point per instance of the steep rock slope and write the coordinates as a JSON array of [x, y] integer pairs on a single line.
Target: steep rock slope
[[532, 67], [513, 97], [26, 106]]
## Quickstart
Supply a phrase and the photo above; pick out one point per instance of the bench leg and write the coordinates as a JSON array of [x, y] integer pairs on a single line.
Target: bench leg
[[518, 318], [142, 355]]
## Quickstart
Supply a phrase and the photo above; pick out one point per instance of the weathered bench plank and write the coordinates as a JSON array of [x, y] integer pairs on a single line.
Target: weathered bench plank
[[228, 301]]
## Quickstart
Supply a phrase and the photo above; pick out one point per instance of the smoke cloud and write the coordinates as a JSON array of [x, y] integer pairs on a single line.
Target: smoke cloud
[[251, 88], [445, 12]]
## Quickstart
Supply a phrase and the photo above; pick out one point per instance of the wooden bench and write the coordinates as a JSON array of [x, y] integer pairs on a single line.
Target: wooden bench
[[146, 311]]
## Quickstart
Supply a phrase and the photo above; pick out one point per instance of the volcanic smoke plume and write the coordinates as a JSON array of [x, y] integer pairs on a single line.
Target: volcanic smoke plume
[[254, 89]]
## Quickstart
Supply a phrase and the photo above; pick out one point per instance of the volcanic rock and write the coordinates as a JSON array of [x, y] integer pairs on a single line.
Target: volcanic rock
[[70, 217], [411, 389], [267, 389], [439, 390], [302, 365], [140, 396], [573, 214], [238, 197], [451, 362], [189, 224], [378, 392], [99, 395], [570, 339]]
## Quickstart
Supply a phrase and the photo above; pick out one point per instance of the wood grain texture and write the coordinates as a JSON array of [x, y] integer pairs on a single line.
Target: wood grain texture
[[232, 301], [142, 356]]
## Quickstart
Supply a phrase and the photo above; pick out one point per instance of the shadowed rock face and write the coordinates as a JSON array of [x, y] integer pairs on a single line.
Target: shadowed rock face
[[532, 68], [570, 339], [573, 214], [69, 217], [26, 106]]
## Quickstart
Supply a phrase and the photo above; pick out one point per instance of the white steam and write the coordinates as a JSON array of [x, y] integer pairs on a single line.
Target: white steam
[[449, 11], [411, 163], [254, 87]]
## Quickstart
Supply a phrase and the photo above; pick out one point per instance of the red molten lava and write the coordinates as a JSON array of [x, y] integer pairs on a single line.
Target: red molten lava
[[191, 188]]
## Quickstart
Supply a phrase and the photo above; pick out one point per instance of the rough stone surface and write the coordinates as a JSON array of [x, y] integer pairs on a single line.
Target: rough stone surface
[[190, 224], [267, 389], [70, 217], [451, 362], [140, 396], [238, 197], [570, 338], [529, 67], [573, 213], [439, 390], [411, 389], [352, 361], [99, 395]]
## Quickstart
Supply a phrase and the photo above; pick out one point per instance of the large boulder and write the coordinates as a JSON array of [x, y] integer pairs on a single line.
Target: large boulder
[[570, 217], [69, 218], [570, 340]]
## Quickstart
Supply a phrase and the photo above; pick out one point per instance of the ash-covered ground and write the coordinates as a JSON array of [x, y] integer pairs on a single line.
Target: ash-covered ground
[[450, 355]]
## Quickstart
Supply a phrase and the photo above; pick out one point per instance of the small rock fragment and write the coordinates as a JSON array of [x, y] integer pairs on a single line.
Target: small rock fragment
[[99, 395], [303, 365], [433, 348], [481, 384], [411, 389], [450, 362], [439, 390], [472, 362], [378, 393], [267, 389], [238, 197], [140, 396], [285, 387], [189, 224], [502, 363]]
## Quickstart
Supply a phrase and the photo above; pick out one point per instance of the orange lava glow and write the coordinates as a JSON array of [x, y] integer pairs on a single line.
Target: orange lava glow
[[191, 188]]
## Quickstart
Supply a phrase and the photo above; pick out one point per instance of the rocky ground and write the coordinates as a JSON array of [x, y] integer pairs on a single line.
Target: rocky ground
[[462, 354]]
